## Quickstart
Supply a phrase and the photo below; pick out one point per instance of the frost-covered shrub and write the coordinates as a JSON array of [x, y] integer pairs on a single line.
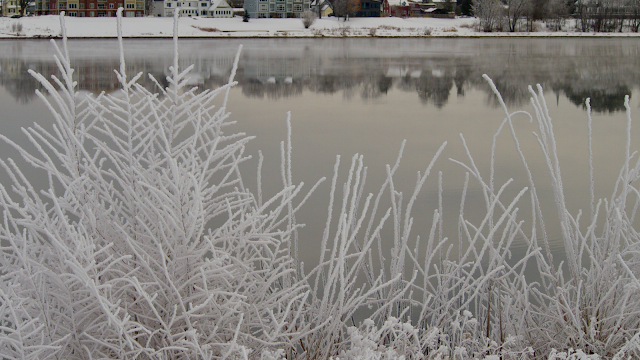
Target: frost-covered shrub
[[119, 257], [146, 244], [308, 18]]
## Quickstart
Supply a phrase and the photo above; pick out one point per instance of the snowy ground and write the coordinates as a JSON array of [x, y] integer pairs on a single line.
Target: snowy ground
[[152, 27]]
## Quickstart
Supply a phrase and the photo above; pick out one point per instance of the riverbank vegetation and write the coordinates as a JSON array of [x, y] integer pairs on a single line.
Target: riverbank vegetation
[[147, 244], [583, 15]]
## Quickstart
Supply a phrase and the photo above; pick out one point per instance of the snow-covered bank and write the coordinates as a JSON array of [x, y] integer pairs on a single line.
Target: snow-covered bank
[[150, 27]]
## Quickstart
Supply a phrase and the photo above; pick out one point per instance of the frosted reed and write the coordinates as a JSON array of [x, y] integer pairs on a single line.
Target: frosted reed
[[146, 244]]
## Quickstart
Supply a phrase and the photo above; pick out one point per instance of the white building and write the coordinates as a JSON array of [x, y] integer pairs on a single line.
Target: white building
[[220, 9], [187, 8]]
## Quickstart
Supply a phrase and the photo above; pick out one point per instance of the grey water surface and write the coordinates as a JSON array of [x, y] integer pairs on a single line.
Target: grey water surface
[[365, 96]]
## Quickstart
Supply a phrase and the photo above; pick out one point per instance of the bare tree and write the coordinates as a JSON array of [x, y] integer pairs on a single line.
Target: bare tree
[[23, 6], [633, 14], [345, 8], [515, 10], [489, 13], [602, 16], [557, 12]]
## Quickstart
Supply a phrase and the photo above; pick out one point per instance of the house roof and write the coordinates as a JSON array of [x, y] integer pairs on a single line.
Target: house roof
[[323, 3], [219, 4]]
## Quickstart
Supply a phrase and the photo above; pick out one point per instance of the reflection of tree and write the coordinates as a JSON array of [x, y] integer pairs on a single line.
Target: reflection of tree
[[253, 88], [463, 70], [16, 79], [375, 86], [434, 88], [325, 84], [384, 84], [92, 76], [602, 100], [604, 71]]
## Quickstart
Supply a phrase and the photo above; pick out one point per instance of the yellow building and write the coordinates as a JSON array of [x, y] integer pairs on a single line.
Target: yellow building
[[10, 7]]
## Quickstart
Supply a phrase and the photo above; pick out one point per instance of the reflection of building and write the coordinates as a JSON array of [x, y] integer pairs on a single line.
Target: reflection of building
[[276, 8], [284, 67], [90, 8], [268, 71]]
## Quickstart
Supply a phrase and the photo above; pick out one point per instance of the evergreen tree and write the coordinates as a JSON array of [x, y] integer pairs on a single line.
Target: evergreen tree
[[466, 7]]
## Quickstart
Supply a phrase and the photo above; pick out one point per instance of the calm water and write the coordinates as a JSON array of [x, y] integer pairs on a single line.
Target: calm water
[[366, 96]]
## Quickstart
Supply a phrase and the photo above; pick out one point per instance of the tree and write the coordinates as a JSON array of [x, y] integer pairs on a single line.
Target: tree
[[23, 6], [515, 10], [489, 14], [466, 7], [634, 14], [556, 13], [345, 8], [449, 5], [246, 16]]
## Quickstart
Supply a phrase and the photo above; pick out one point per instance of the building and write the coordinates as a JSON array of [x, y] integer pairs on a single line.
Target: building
[[276, 8], [10, 7], [187, 8], [369, 8], [90, 8], [325, 7], [400, 11], [156, 8], [220, 9], [386, 8]]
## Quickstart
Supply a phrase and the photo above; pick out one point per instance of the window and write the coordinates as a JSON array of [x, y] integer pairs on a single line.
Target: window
[[131, 13], [297, 7], [101, 13], [92, 13], [119, 6], [131, 6], [81, 14], [280, 7], [263, 7], [203, 4], [91, 6], [73, 13], [82, 6], [100, 6], [111, 6], [168, 4], [73, 6], [62, 6]]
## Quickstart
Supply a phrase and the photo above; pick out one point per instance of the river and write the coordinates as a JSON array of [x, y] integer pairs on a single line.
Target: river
[[366, 96]]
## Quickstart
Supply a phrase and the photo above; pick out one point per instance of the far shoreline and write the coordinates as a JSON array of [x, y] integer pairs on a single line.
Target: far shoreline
[[49, 27], [266, 37]]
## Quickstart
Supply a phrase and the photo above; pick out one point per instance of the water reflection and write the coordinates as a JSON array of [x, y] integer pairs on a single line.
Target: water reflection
[[603, 69]]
